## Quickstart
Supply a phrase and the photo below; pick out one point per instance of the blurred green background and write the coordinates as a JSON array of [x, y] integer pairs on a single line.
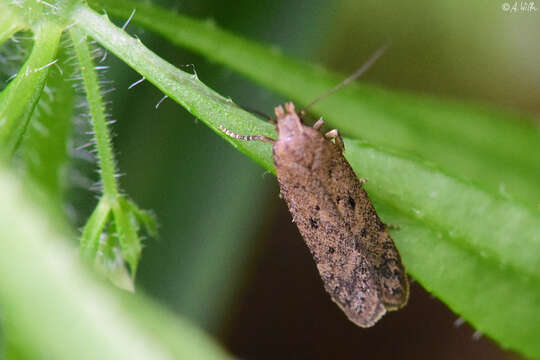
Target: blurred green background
[[228, 256]]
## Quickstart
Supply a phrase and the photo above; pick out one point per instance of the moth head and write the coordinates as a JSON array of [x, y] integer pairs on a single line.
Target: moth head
[[288, 122]]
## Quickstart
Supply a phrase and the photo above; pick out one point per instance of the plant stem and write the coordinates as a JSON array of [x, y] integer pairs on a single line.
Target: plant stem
[[126, 232], [184, 88], [97, 112]]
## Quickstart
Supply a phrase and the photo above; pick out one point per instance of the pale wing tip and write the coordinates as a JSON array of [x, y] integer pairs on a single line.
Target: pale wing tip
[[364, 321]]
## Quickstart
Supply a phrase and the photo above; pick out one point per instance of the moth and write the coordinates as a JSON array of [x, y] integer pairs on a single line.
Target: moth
[[357, 260]]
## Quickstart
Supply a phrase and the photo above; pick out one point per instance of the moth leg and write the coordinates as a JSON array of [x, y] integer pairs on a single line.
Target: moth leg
[[334, 134], [248, 137], [392, 227], [318, 124]]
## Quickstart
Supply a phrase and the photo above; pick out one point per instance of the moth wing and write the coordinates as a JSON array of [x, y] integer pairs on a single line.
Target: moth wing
[[354, 288], [370, 237]]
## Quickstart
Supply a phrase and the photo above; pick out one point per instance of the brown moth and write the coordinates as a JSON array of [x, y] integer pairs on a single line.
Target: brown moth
[[358, 262]]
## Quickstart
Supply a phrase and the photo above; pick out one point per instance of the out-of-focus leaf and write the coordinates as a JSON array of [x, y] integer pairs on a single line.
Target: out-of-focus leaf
[[58, 310]]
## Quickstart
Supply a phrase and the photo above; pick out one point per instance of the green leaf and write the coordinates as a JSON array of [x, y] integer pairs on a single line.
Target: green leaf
[[498, 300], [461, 240], [99, 246], [19, 98], [58, 310], [477, 219], [145, 218], [110, 237], [126, 232], [93, 229], [110, 261], [183, 339]]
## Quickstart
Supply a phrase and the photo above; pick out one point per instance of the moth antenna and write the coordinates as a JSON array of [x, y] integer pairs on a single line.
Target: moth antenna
[[246, 138], [257, 112], [361, 70]]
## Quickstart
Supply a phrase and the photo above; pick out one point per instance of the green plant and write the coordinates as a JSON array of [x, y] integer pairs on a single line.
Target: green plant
[[457, 237]]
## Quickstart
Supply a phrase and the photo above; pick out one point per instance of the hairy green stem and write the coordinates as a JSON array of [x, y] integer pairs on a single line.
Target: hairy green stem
[[97, 112], [126, 231]]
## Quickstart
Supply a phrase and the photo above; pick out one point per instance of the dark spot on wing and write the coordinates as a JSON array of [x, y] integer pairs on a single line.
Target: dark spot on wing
[[397, 290], [387, 245], [313, 223], [357, 245], [385, 271], [331, 250], [352, 202]]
